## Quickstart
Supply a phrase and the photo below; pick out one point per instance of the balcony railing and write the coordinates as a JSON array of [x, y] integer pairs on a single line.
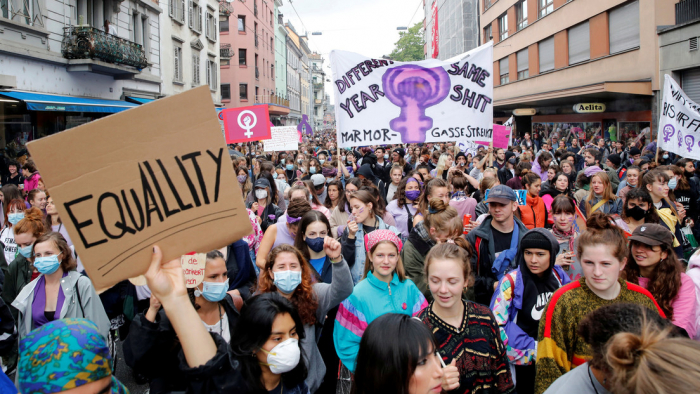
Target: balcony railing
[[226, 51], [271, 99], [85, 42], [687, 10], [225, 8], [318, 86]]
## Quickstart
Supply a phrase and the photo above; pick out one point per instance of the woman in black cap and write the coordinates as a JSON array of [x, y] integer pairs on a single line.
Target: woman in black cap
[[653, 265], [263, 207], [397, 156]]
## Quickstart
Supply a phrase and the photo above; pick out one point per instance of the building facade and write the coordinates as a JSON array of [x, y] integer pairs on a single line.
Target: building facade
[[305, 80], [191, 51], [294, 58], [62, 66], [550, 55], [318, 78], [457, 28], [280, 53], [679, 56]]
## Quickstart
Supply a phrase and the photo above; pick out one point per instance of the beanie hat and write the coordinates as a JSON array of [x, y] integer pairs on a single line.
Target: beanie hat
[[615, 159], [634, 151], [536, 240]]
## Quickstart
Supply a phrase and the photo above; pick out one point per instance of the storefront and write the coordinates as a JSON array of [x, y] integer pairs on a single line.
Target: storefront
[[614, 116], [26, 116]]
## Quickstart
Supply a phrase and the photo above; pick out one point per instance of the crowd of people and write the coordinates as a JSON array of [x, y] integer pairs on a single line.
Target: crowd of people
[[384, 269]]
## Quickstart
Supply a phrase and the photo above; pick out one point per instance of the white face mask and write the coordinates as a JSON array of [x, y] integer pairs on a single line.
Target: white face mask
[[261, 193], [283, 357]]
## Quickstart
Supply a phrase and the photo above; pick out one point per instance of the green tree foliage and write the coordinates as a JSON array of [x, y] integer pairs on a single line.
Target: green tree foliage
[[409, 47]]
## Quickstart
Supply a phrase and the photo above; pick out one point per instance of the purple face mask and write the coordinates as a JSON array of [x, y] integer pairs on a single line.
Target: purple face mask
[[412, 194], [242, 178]]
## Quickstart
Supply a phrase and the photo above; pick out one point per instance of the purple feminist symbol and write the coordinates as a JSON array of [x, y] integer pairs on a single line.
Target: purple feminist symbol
[[304, 127], [689, 141], [668, 132], [413, 89], [680, 138]]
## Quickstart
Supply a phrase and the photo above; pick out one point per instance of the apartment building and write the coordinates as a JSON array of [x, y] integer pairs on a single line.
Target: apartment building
[[66, 63], [450, 27], [552, 57]]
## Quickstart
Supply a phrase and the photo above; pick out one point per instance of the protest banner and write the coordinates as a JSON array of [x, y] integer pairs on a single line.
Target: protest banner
[[284, 138], [383, 102], [679, 122], [501, 136], [155, 174], [245, 124], [510, 125]]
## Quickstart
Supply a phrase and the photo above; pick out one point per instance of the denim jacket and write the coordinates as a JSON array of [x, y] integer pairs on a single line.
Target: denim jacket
[[354, 250]]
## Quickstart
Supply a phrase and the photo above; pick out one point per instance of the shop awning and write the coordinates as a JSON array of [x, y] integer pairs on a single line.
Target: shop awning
[[50, 102], [138, 100]]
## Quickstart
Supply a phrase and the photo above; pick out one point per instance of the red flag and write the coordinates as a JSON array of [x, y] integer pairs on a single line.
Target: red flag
[[436, 31]]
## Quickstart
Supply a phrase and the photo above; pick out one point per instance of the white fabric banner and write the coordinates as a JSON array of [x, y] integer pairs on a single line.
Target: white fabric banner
[[679, 122], [385, 102], [284, 138]]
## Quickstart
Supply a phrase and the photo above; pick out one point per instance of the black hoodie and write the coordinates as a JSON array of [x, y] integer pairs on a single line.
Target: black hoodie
[[536, 290]]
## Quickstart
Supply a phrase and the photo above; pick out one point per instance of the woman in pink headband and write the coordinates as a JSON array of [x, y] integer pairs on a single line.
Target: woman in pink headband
[[383, 289]]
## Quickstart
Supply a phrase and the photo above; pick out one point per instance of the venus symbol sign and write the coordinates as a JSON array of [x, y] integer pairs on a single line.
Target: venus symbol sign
[[414, 88], [247, 120]]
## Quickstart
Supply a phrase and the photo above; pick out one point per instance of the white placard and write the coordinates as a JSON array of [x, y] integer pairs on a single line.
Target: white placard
[[284, 138], [679, 122], [381, 102]]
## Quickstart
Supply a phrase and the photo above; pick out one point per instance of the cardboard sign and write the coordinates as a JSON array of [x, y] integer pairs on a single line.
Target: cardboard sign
[[246, 124], [155, 174], [521, 194], [284, 138], [381, 102], [193, 268]]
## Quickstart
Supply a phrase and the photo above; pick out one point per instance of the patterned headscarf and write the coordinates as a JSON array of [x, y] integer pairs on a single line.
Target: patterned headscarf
[[377, 236], [62, 355]]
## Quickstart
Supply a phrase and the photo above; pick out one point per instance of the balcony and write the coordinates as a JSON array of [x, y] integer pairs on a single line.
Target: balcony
[[318, 86], [225, 8], [318, 101], [225, 51], [687, 10], [276, 104], [85, 42]]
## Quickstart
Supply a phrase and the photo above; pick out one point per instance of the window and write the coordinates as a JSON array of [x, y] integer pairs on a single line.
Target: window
[[177, 76], [272, 45], [487, 33], [487, 3], [195, 69], [521, 15], [29, 12], [523, 64], [624, 27], [503, 65], [223, 23], [546, 54], [225, 62], [241, 23], [579, 43], [271, 19], [503, 26], [211, 74], [243, 91], [211, 27], [195, 14], [546, 7], [272, 72], [226, 91], [177, 10], [242, 55]]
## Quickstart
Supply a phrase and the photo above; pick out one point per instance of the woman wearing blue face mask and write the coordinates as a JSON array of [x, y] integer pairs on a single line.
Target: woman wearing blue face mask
[[152, 346], [59, 292], [288, 273], [14, 212]]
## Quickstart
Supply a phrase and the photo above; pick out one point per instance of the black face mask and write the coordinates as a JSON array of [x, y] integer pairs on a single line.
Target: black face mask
[[689, 175], [636, 213]]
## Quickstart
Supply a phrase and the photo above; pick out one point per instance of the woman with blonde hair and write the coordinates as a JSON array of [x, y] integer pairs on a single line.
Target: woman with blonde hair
[[442, 224], [443, 167], [601, 197]]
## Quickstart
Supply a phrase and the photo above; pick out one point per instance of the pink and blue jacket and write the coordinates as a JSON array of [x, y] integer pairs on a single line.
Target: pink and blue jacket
[[371, 299]]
